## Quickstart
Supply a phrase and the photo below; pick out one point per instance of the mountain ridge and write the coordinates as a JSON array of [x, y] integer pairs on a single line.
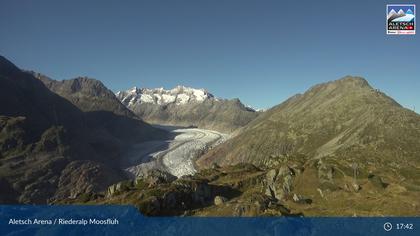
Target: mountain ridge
[[50, 149], [351, 102], [87, 93], [178, 95], [185, 106]]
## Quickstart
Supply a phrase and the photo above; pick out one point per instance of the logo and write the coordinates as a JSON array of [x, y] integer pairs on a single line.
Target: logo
[[401, 19]]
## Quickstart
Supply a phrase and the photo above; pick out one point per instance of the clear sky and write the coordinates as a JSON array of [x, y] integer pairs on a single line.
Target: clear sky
[[260, 51]]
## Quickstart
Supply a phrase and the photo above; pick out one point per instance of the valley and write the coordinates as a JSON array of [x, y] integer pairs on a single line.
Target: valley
[[175, 155], [335, 150]]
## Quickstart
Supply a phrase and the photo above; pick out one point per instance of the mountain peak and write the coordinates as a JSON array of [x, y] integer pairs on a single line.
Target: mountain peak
[[353, 80], [85, 82], [7, 67], [186, 106], [178, 95], [86, 93], [345, 84]]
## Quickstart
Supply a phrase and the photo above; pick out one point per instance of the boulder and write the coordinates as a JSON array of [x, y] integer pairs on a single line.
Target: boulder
[[325, 172], [377, 181], [279, 182], [111, 190], [119, 187], [301, 199], [356, 187], [219, 200]]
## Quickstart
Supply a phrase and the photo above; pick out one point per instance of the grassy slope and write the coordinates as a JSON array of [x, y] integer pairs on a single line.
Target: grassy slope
[[346, 119]]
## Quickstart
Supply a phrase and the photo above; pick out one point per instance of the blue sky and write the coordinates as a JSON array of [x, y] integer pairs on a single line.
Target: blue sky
[[261, 51]]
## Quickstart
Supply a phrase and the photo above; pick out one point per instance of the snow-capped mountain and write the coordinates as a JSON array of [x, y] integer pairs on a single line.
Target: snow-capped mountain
[[185, 106], [179, 95], [401, 12]]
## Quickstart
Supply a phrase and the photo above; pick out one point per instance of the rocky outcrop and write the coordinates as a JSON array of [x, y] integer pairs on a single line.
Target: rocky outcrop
[[301, 199], [258, 204], [80, 177], [279, 182], [154, 177], [325, 172], [377, 181], [219, 200]]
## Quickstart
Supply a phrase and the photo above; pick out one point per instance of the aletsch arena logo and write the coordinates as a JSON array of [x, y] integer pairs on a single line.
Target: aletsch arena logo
[[401, 19]]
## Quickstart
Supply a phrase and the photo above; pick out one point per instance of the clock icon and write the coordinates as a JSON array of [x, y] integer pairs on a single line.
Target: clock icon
[[387, 226]]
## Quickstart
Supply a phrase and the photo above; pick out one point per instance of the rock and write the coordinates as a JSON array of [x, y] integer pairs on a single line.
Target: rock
[[346, 187], [356, 187], [154, 177], [111, 190], [241, 210], [279, 207], [325, 172], [276, 193], [377, 181], [271, 176], [248, 209], [215, 166], [301, 199], [287, 184], [257, 204], [199, 191], [275, 174], [285, 170], [114, 189], [279, 182], [119, 187], [219, 200], [320, 192], [329, 186]]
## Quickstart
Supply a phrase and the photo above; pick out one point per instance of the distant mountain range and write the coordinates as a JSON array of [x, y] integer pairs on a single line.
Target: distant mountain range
[[186, 106], [179, 95]]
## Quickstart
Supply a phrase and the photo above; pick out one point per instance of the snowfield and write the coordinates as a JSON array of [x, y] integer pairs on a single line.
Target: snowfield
[[175, 156], [179, 95]]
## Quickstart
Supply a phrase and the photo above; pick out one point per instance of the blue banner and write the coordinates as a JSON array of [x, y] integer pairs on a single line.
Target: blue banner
[[126, 220]]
